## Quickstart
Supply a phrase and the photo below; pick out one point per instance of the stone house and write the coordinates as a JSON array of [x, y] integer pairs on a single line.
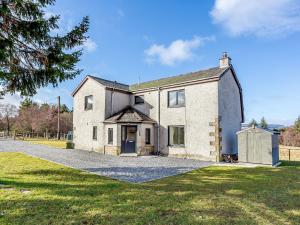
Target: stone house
[[171, 116]]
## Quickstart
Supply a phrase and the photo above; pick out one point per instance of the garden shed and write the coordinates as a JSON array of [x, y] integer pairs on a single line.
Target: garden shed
[[257, 145]]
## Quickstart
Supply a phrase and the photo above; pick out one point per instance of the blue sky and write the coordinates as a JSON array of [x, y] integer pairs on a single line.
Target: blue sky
[[155, 39]]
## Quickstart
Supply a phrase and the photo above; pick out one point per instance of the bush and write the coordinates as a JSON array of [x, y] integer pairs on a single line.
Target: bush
[[290, 137], [69, 145]]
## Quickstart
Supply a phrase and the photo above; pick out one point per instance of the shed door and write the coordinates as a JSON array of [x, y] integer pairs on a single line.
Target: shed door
[[257, 146]]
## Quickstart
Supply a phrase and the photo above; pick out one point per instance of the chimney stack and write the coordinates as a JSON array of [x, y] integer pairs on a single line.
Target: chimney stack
[[225, 60]]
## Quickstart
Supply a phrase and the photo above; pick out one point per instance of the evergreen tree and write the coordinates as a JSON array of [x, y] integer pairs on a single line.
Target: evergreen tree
[[30, 57], [263, 123], [64, 108], [297, 124], [252, 122], [27, 102]]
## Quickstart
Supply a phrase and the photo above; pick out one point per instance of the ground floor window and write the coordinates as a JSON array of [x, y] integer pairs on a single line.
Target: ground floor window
[[148, 136], [94, 132], [110, 136], [176, 135]]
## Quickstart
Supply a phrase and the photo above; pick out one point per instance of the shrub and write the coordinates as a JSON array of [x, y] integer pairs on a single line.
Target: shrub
[[69, 145]]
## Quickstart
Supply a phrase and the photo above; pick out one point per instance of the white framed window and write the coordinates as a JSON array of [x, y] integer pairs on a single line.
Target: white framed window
[[88, 102], [94, 132], [148, 136], [110, 136], [139, 99], [176, 135], [176, 98]]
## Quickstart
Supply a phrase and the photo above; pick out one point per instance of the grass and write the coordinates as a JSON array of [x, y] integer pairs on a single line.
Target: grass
[[35, 191], [50, 142]]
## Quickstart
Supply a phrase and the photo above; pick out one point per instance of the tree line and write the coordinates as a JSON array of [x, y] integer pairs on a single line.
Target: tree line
[[289, 136], [32, 117]]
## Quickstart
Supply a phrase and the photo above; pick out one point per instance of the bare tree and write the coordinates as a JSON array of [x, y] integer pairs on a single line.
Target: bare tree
[[8, 112]]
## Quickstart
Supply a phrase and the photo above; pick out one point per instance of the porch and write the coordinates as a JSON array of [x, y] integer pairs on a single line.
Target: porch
[[129, 132]]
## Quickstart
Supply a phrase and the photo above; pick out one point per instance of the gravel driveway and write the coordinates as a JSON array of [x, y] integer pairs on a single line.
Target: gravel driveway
[[130, 169]]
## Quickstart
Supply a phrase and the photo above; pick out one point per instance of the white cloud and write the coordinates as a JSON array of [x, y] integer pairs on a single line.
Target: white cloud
[[48, 14], [44, 95], [14, 99], [178, 51], [89, 45], [257, 17]]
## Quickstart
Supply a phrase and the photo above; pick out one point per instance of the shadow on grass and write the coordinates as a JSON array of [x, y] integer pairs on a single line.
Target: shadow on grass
[[290, 163], [213, 195]]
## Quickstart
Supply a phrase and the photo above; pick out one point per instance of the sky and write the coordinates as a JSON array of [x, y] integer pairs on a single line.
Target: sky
[[140, 39]]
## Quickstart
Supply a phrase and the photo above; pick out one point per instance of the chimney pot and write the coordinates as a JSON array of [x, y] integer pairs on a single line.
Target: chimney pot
[[225, 60]]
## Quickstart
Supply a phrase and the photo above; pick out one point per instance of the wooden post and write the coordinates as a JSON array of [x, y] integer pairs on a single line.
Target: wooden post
[[58, 118], [289, 154]]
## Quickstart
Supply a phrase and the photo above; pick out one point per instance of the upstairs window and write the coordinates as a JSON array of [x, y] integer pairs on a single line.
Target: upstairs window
[[148, 136], [176, 135], [176, 98], [88, 102], [110, 136], [94, 133], [139, 99]]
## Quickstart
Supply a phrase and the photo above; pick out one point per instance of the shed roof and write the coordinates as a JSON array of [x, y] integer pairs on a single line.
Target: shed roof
[[256, 128], [202, 74], [129, 115]]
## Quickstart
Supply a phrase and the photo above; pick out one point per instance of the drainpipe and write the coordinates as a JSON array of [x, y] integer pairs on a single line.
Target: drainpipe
[[158, 121], [111, 99]]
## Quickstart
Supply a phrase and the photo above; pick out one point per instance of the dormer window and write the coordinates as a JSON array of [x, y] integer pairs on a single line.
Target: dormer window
[[88, 102], [139, 99]]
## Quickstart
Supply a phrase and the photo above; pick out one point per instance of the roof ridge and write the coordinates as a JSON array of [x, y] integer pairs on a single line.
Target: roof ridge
[[108, 80], [179, 75]]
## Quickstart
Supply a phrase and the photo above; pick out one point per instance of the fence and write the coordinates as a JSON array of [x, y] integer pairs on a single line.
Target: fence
[[4, 134], [63, 136], [289, 153]]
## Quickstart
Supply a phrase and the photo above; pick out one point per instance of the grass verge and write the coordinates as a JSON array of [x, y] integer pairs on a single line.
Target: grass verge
[[34, 191], [50, 142]]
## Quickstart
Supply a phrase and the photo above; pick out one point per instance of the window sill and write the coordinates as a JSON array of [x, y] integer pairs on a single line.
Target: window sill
[[181, 106], [176, 146]]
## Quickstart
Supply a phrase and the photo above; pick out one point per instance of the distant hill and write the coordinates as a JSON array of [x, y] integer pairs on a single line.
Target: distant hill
[[270, 126]]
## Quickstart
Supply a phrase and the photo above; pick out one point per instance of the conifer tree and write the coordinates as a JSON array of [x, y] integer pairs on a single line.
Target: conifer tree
[[252, 123], [30, 56], [263, 123]]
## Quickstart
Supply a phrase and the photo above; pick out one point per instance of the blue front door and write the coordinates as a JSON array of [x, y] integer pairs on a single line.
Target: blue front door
[[128, 141]]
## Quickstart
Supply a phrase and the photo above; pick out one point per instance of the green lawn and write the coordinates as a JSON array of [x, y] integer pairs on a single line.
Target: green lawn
[[50, 142], [213, 195]]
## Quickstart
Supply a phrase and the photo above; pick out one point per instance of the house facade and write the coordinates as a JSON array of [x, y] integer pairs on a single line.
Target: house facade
[[171, 116]]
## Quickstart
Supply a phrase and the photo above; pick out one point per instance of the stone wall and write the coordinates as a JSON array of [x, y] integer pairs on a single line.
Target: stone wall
[[112, 150], [146, 150]]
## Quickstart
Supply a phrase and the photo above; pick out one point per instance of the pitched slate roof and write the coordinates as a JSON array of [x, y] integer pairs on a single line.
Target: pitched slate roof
[[129, 115], [111, 84], [203, 74]]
